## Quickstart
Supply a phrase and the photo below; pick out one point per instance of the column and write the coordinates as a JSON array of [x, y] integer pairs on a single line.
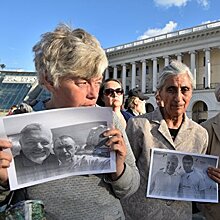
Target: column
[[166, 61], [154, 74], [143, 76], [179, 57], [107, 73], [133, 75], [124, 76], [207, 68], [193, 66], [115, 72]]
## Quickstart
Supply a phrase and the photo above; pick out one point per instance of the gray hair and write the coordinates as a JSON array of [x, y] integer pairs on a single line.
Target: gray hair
[[68, 52], [173, 69], [31, 128], [217, 92]]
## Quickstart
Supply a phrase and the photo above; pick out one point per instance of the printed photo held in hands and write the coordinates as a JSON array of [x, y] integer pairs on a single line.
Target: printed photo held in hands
[[181, 176], [58, 143]]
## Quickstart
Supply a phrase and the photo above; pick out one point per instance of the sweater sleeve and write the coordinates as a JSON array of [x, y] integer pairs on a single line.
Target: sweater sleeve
[[129, 181]]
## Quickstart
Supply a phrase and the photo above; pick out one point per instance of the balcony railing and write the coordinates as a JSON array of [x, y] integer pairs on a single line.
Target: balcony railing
[[165, 36]]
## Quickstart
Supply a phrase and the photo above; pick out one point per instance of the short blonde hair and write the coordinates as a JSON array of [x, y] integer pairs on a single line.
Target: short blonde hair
[[68, 52]]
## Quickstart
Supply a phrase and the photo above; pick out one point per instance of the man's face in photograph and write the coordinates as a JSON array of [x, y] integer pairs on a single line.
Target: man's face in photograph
[[65, 149], [187, 165], [36, 144], [172, 163]]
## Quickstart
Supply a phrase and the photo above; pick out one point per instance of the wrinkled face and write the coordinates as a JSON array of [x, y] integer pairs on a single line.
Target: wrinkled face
[[171, 165], [36, 145], [187, 165], [175, 95], [113, 94], [76, 92], [65, 149]]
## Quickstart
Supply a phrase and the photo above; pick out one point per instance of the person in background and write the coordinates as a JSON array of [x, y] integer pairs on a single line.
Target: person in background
[[192, 184], [70, 64], [36, 159], [166, 182], [135, 103], [167, 127], [11, 110], [111, 94], [212, 125], [23, 108]]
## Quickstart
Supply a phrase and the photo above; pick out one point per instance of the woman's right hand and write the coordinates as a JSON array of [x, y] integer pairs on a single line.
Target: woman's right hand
[[5, 160]]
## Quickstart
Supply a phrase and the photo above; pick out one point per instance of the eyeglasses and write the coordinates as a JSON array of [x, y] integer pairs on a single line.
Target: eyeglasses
[[111, 92]]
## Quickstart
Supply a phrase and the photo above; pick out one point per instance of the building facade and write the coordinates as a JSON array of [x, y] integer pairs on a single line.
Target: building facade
[[139, 63]]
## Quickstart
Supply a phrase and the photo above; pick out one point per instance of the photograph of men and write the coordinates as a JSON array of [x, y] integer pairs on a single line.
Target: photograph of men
[[192, 184], [66, 149], [179, 176], [169, 186], [36, 159]]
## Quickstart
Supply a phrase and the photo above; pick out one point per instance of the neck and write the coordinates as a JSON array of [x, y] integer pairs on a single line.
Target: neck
[[173, 122], [116, 109]]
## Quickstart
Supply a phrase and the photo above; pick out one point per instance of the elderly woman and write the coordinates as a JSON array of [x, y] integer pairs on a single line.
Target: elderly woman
[[212, 125], [167, 127], [111, 94], [70, 64]]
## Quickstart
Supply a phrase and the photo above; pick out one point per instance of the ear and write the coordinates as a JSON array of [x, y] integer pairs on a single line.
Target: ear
[[136, 101], [159, 101], [49, 85]]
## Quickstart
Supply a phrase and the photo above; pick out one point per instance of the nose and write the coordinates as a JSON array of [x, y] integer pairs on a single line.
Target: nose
[[178, 96], [39, 145], [64, 150], [92, 91]]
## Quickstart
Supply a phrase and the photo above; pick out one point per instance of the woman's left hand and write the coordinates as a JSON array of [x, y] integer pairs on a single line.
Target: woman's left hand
[[117, 144]]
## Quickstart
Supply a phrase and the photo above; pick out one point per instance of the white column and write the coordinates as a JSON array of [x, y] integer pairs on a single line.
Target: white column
[[133, 76], [124, 76], [193, 66], [107, 73], [207, 68], [143, 76], [179, 57], [154, 74], [166, 61], [115, 72]]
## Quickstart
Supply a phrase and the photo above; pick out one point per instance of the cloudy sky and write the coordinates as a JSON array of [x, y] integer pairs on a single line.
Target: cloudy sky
[[113, 22]]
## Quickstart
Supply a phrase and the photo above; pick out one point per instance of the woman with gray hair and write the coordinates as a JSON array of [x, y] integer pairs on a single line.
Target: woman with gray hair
[[212, 125], [167, 127], [70, 65]]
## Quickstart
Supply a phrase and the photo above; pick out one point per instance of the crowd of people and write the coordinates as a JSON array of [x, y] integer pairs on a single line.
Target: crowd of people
[[70, 65]]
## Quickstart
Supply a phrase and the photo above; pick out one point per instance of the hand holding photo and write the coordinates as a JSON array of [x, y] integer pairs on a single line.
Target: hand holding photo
[[58, 143]]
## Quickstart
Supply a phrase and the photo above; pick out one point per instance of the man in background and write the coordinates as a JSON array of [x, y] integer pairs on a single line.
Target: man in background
[[135, 103]]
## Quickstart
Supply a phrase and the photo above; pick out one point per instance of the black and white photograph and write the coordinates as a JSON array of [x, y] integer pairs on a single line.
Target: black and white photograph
[[56, 144], [181, 176]]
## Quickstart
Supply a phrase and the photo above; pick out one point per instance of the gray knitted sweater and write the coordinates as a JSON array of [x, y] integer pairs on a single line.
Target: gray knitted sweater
[[89, 196]]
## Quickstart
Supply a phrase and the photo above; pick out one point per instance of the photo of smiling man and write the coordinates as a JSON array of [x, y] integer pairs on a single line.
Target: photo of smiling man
[[36, 159]]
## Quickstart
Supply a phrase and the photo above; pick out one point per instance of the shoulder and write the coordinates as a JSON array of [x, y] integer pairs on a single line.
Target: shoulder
[[195, 126], [126, 115], [207, 124]]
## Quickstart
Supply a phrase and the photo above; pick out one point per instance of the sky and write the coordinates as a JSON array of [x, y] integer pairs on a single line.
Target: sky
[[113, 22]]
